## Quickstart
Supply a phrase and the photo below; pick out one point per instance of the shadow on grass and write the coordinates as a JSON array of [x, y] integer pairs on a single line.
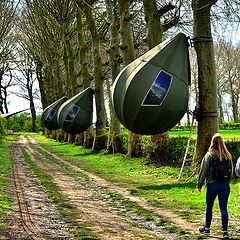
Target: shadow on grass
[[191, 185]]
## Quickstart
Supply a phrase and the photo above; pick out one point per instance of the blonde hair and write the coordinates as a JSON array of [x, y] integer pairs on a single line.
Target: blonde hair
[[218, 147]]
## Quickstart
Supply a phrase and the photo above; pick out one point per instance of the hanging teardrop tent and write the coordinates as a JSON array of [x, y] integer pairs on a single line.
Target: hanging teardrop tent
[[49, 115], [150, 95], [75, 115]]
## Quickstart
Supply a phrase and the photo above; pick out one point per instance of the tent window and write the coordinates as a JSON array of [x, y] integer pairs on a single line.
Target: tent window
[[73, 113], [158, 90], [51, 114]]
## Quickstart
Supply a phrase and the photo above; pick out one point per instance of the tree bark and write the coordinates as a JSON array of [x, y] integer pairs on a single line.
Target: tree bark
[[154, 37], [100, 135], [203, 44], [127, 47], [79, 140], [85, 75], [114, 143], [154, 26]]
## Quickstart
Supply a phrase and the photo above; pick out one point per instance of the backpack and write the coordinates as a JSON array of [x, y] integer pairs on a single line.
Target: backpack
[[220, 169]]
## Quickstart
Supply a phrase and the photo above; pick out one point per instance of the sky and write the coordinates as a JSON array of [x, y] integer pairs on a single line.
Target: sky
[[17, 104]]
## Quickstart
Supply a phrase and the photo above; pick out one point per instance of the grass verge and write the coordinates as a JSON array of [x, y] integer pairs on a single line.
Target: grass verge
[[5, 171]]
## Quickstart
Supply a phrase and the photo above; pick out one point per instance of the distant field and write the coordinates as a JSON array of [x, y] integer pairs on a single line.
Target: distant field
[[227, 134]]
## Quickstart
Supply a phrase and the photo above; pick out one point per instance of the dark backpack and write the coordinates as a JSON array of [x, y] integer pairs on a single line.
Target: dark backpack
[[220, 169]]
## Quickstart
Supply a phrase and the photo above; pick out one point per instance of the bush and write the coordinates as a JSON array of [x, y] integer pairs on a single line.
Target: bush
[[3, 127], [23, 122], [171, 151], [229, 126], [234, 149], [168, 152]]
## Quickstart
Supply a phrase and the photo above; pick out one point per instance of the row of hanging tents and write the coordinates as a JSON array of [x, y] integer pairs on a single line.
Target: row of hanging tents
[[150, 95], [73, 115]]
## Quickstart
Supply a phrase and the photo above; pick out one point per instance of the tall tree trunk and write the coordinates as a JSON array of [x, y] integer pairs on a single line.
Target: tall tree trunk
[[79, 140], [153, 38], [234, 101], [114, 144], [42, 86], [100, 135], [220, 106], [30, 97], [86, 77], [69, 60], [207, 84], [154, 26], [127, 47], [33, 113], [5, 94]]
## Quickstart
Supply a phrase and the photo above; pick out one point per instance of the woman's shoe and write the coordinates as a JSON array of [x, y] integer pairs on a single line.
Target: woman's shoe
[[204, 230], [225, 235]]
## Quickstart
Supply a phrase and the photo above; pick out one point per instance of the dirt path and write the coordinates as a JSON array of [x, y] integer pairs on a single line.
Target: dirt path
[[106, 217], [178, 221], [34, 215]]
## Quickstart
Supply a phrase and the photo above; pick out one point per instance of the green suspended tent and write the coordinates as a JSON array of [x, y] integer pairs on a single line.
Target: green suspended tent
[[49, 115], [75, 115], [150, 95]]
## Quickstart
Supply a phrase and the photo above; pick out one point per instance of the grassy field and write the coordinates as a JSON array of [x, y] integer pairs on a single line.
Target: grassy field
[[157, 185], [227, 134], [5, 171]]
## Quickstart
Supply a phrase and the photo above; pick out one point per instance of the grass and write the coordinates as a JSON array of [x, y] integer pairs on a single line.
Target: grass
[[157, 185], [5, 171], [228, 134]]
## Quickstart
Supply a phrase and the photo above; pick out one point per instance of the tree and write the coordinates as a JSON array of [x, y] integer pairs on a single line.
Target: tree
[[39, 28], [7, 17], [221, 83], [100, 137], [207, 85], [84, 75], [127, 48], [114, 144], [155, 30], [5, 83], [230, 73], [25, 78]]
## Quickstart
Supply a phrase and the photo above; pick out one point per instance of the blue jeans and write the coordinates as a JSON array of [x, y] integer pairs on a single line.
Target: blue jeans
[[222, 190]]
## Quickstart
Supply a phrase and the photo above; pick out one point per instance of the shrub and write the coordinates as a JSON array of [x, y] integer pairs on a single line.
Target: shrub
[[234, 149], [23, 122], [3, 128], [167, 152], [171, 151]]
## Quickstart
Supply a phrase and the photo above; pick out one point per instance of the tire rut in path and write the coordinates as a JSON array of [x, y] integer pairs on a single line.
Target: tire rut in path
[[31, 229]]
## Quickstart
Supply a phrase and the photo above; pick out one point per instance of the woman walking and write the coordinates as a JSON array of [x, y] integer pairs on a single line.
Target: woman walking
[[216, 169]]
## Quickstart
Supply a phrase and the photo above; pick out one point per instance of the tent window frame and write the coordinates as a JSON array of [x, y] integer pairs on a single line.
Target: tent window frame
[[165, 94], [50, 115], [73, 113]]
